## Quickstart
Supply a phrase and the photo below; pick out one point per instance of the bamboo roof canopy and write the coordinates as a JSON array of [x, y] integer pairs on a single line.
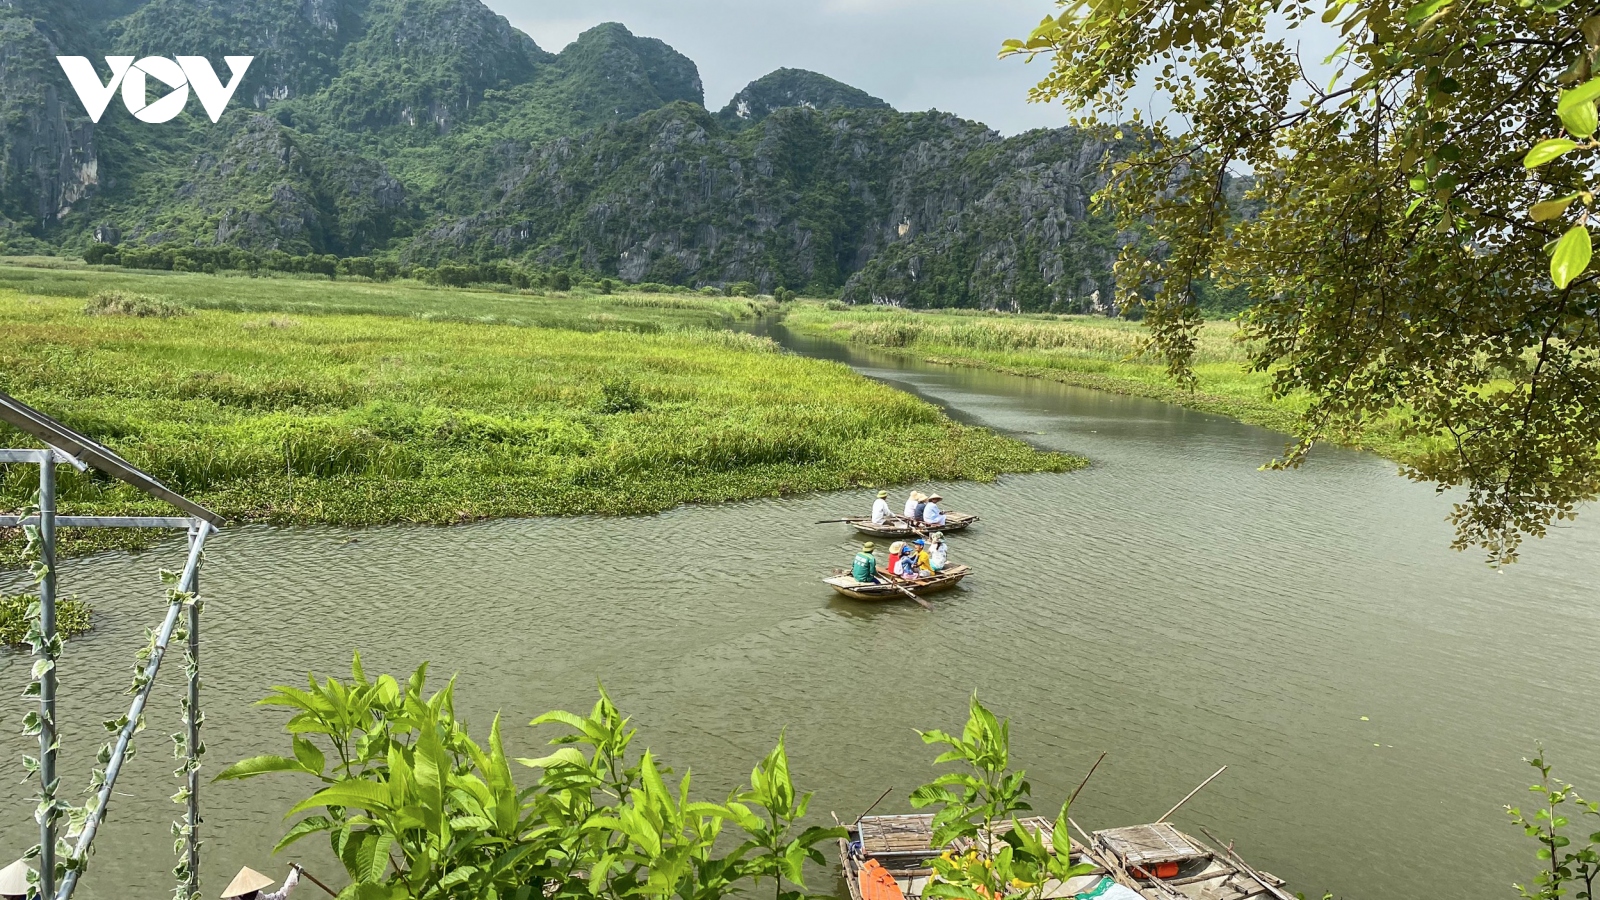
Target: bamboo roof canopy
[[94, 454], [1149, 845]]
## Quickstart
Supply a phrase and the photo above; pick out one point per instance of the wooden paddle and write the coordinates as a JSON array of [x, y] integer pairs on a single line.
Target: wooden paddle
[[318, 882], [896, 582]]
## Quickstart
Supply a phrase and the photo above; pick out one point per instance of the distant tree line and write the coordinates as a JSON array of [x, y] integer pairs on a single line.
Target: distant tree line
[[185, 258]]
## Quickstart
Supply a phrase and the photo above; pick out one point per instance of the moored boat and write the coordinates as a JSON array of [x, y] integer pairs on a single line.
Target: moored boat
[[1163, 863], [886, 858], [884, 590], [899, 527]]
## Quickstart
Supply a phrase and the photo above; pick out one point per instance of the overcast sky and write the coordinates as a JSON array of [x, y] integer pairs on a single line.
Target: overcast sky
[[916, 54]]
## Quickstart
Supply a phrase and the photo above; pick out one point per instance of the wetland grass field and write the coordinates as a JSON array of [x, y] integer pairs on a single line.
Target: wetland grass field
[[294, 402]]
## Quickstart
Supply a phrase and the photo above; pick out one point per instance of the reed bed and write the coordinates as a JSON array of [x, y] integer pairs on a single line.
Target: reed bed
[[360, 420]]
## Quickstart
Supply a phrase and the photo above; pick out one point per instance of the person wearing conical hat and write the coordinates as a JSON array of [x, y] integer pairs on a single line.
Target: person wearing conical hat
[[252, 885], [880, 508], [14, 880], [895, 549], [938, 553], [911, 505], [931, 514]]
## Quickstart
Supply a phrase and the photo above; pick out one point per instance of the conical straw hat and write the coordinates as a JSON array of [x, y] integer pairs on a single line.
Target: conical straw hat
[[14, 879], [245, 882]]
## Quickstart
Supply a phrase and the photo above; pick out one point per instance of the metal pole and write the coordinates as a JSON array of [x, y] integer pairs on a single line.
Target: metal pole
[[119, 753], [193, 849], [47, 685]]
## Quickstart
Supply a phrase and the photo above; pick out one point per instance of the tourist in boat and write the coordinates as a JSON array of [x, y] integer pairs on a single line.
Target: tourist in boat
[[931, 513], [924, 561], [914, 505], [864, 568], [938, 552], [895, 549], [14, 880], [880, 509], [252, 885]]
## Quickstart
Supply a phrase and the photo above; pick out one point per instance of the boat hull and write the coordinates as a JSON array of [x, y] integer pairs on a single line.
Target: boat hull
[[897, 529], [857, 590]]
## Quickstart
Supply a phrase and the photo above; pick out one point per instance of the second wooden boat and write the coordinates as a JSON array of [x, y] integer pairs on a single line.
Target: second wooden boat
[[883, 590], [886, 858], [899, 528], [1163, 863]]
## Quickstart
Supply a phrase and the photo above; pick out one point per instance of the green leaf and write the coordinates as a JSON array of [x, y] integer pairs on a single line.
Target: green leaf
[[309, 825], [1581, 120], [1587, 92], [1572, 256], [260, 765], [1576, 108], [309, 756], [1550, 209], [1418, 13], [1547, 150], [361, 794]]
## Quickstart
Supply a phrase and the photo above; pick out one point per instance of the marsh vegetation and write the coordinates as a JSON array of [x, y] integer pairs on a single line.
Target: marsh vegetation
[[270, 406]]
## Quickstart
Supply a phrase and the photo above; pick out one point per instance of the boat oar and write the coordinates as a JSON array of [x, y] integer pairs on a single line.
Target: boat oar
[[1191, 794], [873, 806], [836, 521], [1086, 778], [897, 584], [318, 882]]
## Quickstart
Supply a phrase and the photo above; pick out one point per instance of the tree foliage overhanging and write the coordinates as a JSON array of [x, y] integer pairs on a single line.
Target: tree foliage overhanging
[[1398, 265]]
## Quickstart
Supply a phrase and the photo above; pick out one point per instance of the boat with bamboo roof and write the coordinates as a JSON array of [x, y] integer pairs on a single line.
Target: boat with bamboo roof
[[887, 857], [899, 526], [847, 585], [1162, 863]]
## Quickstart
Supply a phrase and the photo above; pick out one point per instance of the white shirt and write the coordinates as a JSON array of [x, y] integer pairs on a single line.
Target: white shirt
[[911, 508], [932, 515], [880, 511], [283, 892], [938, 555]]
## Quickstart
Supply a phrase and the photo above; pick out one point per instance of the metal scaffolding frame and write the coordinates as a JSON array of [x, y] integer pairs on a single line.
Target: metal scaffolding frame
[[67, 447]]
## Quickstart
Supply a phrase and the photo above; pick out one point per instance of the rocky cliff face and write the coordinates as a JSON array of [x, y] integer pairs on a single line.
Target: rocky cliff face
[[269, 188], [919, 209], [788, 88], [433, 130], [48, 160]]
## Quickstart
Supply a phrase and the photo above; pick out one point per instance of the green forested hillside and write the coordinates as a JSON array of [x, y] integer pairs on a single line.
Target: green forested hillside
[[432, 130]]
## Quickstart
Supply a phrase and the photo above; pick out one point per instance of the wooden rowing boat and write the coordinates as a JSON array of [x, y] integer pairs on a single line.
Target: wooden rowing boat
[[1163, 863], [899, 528], [903, 845], [847, 585]]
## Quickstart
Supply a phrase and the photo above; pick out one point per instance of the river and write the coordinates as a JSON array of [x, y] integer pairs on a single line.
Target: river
[[1371, 691]]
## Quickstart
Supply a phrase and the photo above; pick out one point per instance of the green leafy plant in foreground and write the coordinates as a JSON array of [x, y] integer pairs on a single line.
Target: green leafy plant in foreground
[[1567, 865], [987, 851], [415, 808]]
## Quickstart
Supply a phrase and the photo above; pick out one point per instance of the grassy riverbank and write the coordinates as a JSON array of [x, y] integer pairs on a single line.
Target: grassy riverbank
[[1085, 351], [367, 419]]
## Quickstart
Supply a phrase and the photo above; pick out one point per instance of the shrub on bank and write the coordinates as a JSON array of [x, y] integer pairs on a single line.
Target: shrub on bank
[[137, 306]]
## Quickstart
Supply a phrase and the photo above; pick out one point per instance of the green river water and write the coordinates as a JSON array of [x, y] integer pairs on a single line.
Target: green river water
[[1371, 691]]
